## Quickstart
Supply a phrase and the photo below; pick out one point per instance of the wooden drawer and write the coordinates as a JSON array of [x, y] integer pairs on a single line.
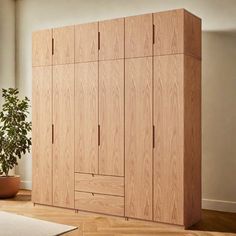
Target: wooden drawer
[[112, 205], [111, 185]]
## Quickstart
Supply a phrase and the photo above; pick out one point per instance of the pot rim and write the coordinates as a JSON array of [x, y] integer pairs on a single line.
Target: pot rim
[[9, 176]]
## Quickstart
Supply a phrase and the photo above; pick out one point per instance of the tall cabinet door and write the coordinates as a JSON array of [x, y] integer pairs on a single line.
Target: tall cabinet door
[[111, 117], [42, 48], [42, 135], [86, 117], [168, 151], [111, 39], [138, 36], [138, 138], [63, 143], [63, 45], [86, 42]]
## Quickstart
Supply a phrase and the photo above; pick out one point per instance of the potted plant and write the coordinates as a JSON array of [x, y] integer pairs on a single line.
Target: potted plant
[[14, 140]]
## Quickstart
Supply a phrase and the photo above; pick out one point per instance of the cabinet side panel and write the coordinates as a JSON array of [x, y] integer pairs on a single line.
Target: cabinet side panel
[[138, 138], [169, 129], [192, 35], [192, 140], [42, 135]]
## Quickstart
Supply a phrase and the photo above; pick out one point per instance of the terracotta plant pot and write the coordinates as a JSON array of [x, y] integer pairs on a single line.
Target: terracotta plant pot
[[9, 186]]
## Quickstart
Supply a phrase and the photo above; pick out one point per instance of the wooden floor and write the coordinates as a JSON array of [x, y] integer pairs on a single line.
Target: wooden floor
[[99, 225]]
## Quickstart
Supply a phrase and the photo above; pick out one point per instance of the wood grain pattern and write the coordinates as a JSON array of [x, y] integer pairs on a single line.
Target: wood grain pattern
[[168, 152], [169, 32], [138, 36], [42, 144], [192, 35], [99, 203], [42, 48], [192, 140], [86, 42], [86, 117], [63, 147], [63, 45], [111, 117], [138, 138], [99, 184], [111, 39]]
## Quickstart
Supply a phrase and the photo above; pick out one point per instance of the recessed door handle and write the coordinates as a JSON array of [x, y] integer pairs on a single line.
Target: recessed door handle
[[98, 135]]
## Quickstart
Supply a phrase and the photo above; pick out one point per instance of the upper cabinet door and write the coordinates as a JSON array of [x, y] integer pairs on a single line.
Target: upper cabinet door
[[177, 31], [111, 39], [63, 50], [86, 42], [111, 117], [63, 141], [86, 113], [138, 138], [42, 48], [169, 140], [42, 134], [138, 36]]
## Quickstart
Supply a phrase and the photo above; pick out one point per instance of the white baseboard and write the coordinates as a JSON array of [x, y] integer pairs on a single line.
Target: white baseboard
[[219, 205], [26, 184]]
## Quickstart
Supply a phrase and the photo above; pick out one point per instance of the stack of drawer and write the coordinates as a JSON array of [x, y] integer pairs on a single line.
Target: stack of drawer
[[98, 193]]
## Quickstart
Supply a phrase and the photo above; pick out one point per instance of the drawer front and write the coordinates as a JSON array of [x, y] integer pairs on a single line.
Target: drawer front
[[111, 185], [112, 205]]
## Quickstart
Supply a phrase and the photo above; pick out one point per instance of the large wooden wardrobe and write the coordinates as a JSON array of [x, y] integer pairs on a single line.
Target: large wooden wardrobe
[[117, 117]]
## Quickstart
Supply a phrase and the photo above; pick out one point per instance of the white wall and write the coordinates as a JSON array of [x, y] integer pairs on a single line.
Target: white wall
[[7, 44], [219, 120], [218, 81]]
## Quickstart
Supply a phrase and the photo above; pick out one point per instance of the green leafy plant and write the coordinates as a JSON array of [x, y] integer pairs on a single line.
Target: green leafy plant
[[14, 129]]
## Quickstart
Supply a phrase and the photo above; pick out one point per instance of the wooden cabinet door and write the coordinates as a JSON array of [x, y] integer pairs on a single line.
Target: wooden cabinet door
[[169, 34], [63, 45], [111, 39], [86, 42], [42, 48], [86, 117], [63, 141], [42, 134], [138, 36], [111, 117], [138, 138], [169, 127]]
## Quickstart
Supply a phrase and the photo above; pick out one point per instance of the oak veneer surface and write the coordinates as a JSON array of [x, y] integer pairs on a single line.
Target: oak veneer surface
[[138, 138], [111, 39], [169, 138], [138, 36], [42, 48], [63, 45], [169, 36], [63, 146], [86, 42], [192, 35], [192, 140], [99, 184], [86, 117], [111, 117], [112, 205], [42, 144]]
